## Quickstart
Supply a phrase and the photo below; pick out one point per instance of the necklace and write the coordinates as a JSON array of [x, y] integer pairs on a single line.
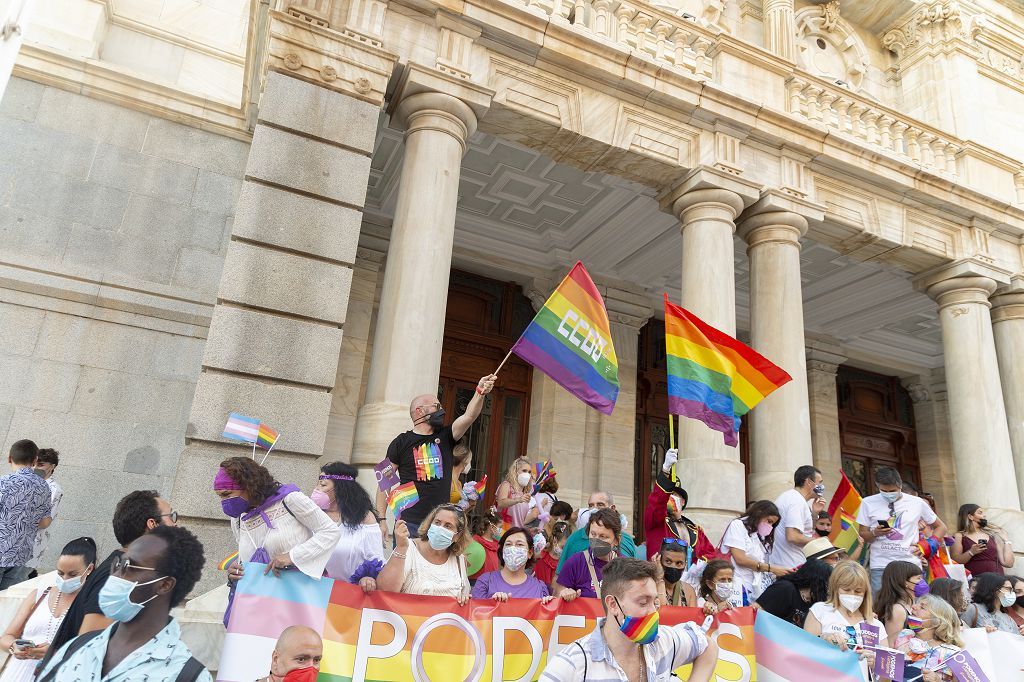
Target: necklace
[[53, 621]]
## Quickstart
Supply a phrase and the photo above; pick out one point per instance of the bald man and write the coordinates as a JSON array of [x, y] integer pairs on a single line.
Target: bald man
[[296, 657], [424, 455]]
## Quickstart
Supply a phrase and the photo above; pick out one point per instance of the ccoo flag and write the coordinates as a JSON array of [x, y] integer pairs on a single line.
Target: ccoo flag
[[570, 340], [712, 376]]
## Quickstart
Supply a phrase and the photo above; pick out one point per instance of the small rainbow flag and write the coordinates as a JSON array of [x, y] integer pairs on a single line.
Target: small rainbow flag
[[712, 376], [241, 428], [843, 509], [480, 486], [403, 497], [228, 560], [570, 340], [267, 437], [845, 520]]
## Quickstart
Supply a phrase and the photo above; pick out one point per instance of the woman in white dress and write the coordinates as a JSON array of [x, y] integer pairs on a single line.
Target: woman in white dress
[[359, 555], [434, 563], [42, 611], [274, 524]]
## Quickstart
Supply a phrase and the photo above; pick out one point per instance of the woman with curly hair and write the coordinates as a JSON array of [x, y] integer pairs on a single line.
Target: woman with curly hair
[[274, 524], [359, 555], [993, 595], [434, 563]]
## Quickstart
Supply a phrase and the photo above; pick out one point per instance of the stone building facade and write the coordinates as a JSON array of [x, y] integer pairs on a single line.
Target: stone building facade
[[311, 210]]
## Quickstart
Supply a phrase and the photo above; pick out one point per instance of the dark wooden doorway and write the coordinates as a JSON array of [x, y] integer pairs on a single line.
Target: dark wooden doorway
[[652, 437], [876, 428], [483, 319]]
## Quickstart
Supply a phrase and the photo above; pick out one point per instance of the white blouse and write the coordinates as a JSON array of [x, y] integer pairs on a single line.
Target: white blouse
[[307, 534], [357, 546], [422, 577]]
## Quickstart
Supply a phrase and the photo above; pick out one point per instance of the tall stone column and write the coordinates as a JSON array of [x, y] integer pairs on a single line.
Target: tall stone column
[[707, 204], [1008, 330], [823, 400], [438, 112], [934, 447], [981, 439], [780, 426], [780, 28]]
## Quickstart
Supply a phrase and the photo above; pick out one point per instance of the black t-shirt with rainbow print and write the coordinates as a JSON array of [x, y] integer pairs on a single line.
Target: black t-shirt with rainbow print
[[427, 460]]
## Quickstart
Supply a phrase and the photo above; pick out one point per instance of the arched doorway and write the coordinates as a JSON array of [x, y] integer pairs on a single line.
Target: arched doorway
[[876, 428], [484, 318]]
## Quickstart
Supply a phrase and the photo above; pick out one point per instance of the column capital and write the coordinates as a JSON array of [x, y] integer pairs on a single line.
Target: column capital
[[778, 217], [706, 185], [1008, 301], [822, 357], [427, 97], [963, 282]]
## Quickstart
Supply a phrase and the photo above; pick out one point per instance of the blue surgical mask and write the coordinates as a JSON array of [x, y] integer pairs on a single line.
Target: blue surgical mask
[[891, 497], [439, 537], [70, 585], [116, 598]]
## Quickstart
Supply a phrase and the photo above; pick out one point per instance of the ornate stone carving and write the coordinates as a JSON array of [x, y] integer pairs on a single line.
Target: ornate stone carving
[[828, 46], [454, 45], [938, 22], [292, 61], [328, 73], [918, 392], [830, 16]]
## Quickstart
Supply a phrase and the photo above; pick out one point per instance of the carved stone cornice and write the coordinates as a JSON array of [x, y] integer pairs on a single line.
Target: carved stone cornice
[[947, 24]]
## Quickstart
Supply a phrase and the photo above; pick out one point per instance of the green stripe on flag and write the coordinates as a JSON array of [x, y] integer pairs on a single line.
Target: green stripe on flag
[[549, 322]]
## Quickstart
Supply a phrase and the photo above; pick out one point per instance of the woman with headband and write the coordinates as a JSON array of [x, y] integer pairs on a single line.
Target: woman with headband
[[274, 524], [359, 555]]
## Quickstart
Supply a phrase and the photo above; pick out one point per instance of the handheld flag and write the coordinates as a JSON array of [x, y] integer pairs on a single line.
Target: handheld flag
[[241, 428], [785, 652], [480, 486], [843, 509], [713, 377], [403, 497], [228, 560], [267, 437], [570, 340], [542, 471]]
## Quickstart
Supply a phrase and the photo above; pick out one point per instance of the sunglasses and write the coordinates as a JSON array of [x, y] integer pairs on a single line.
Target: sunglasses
[[675, 541]]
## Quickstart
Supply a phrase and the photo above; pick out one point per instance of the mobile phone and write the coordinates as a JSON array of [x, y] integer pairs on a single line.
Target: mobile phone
[[883, 523], [982, 542], [23, 644]]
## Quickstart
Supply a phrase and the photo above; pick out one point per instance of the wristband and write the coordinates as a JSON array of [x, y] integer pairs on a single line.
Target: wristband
[[478, 391]]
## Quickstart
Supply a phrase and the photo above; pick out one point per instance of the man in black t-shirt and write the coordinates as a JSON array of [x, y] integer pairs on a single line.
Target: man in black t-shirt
[[424, 455]]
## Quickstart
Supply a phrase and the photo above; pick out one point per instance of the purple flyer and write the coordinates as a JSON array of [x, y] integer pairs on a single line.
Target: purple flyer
[[387, 477], [965, 668], [869, 634], [889, 664]]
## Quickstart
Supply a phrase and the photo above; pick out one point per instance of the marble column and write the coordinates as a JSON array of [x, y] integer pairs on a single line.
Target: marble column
[[439, 112], [780, 28], [934, 447], [981, 439], [780, 426], [1008, 330], [823, 401], [707, 205]]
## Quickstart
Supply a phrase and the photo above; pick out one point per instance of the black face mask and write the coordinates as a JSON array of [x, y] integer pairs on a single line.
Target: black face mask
[[672, 574], [600, 548], [1020, 601], [822, 532], [436, 419]]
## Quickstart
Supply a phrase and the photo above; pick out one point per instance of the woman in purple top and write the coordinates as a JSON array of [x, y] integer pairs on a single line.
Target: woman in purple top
[[515, 554], [581, 573]]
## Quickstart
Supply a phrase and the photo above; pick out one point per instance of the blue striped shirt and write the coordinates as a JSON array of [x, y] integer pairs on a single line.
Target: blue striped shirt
[[675, 646]]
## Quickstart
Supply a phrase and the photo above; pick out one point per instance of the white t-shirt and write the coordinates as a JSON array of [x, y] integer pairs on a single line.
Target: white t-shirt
[[896, 545], [795, 513], [754, 583], [833, 621]]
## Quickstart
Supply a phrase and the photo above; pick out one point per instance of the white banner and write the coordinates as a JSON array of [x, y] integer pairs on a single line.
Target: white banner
[[1000, 654]]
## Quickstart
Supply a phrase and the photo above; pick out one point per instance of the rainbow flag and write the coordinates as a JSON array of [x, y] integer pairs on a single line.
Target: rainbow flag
[[403, 497], [228, 560], [570, 340], [785, 653], [713, 377], [267, 437], [542, 471], [843, 509], [241, 428], [480, 486]]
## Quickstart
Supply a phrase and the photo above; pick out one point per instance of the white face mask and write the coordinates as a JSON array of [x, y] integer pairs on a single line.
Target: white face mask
[[851, 602], [515, 557], [523, 479], [723, 589], [1007, 599]]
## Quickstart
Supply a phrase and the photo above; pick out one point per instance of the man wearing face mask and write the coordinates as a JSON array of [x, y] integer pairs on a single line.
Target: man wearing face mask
[[296, 656], [579, 541], [888, 522], [797, 506], [154, 575], [628, 643], [425, 454]]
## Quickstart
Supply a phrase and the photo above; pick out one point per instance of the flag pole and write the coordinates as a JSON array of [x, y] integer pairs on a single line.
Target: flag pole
[[268, 450], [671, 432], [503, 363]]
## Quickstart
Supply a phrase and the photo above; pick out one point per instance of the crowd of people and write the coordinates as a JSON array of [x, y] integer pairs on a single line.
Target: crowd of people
[[111, 620]]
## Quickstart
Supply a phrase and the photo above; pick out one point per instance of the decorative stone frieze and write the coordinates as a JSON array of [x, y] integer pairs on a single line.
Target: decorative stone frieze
[[829, 47]]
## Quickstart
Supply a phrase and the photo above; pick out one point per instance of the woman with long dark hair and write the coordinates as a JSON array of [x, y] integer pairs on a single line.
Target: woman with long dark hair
[[791, 596], [901, 583], [993, 595], [749, 540], [979, 545], [359, 554]]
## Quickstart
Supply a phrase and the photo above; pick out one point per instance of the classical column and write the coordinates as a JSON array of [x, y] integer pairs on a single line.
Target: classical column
[[981, 439], [1008, 330], [439, 112], [780, 28], [823, 401], [780, 426], [934, 447], [707, 205]]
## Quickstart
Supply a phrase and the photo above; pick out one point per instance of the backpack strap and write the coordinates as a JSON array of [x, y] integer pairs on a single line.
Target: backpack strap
[[76, 644], [191, 671]]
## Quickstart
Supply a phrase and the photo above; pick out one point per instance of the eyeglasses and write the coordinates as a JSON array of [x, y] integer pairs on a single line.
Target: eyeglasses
[[675, 541], [122, 565], [173, 515]]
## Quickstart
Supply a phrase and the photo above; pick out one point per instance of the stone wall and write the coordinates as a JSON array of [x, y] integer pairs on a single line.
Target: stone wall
[[113, 229]]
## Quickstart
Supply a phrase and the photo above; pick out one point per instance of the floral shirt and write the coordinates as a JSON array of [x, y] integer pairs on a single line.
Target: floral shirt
[[24, 502], [920, 654]]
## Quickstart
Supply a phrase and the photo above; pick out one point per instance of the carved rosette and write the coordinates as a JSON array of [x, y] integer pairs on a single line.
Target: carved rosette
[[828, 46]]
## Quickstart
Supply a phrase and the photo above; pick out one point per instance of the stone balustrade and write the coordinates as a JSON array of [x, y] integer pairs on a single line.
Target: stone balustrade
[[871, 123]]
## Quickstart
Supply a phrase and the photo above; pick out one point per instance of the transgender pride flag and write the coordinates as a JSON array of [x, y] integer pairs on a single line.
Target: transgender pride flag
[[786, 653]]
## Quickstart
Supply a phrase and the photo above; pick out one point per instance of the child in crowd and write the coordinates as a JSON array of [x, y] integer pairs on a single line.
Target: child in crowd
[[487, 531], [547, 563]]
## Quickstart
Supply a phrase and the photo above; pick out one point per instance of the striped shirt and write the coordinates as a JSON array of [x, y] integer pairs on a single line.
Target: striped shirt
[[589, 659]]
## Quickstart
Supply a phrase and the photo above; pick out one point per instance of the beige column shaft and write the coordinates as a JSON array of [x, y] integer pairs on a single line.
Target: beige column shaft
[[708, 290], [981, 440], [780, 426], [780, 28], [1008, 330], [823, 403], [406, 357]]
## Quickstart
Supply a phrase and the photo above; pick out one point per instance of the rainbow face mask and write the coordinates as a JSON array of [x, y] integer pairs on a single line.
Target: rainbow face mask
[[642, 630], [914, 623]]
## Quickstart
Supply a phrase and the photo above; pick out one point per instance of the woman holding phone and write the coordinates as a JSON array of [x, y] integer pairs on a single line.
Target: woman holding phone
[[979, 546]]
